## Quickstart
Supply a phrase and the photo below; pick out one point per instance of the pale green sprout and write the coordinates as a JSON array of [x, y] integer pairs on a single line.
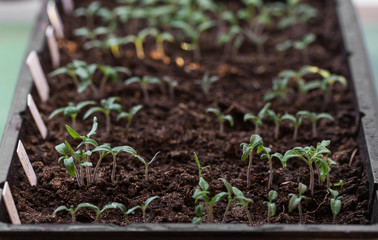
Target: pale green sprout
[[129, 115], [257, 120], [126, 212], [335, 203], [243, 202], [284, 46], [88, 12], [255, 141], [71, 110], [221, 118], [295, 201], [201, 194], [339, 184], [162, 37], [73, 158], [268, 156], [109, 105], [328, 82], [206, 82], [108, 17], [90, 34], [146, 164], [296, 13], [110, 72], [144, 81], [110, 43], [199, 214], [298, 75], [258, 40], [144, 206], [199, 165], [305, 88], [314, 117], [279, 90], [139, 39], [229, 197], [330, 162], [271, 206], [171, 86], [106, 149], [73, 211], [303, 44], [277, 119], [297, 122]]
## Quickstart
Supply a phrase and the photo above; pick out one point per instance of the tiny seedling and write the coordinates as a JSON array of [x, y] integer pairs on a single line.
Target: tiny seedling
[[71, 111], [284, 46], [89, 12], [296, 13], [277, 119], [271, 206], [297, 122], [162, 37], [139, 39], [258, 40], [110, 72], [199, 165], [304, 88], [295, 201], [201, 194], [144, 206], [330, 162], [229, 197], [268, 156], [109, 17], [279, 90], [126, 212], [206, 82], [255, 141], [144, 82], [108, 107], [73, 211], [303, 44], [328, 82], [221, 118], [339, 184], [298, 75], [171, 86], [146, 164], [129, 115], [257, 119], [89, 34], [314, 119], [311, 155], [335, 203], [110, 43], [106, 149], [243, 202], [199, 214]]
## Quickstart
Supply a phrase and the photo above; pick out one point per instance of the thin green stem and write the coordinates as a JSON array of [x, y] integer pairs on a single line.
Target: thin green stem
[[270, 180], [249, 169], [114, 168], [146, 172], [227, 208], [248, 215]]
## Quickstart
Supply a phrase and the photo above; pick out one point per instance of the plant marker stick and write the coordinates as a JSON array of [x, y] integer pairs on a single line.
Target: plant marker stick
[[53, 47], [38, 76], [68, 6], [9, 204], [55, 19], [26, 165], [37, 117]]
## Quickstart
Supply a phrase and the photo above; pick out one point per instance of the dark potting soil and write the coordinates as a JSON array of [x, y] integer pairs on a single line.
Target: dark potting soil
[[180, 126]]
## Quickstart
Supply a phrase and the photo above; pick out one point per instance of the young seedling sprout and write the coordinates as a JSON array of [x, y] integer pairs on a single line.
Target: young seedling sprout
[[108, 107], [255, 141], [144, 82], [129, 115], [279, 90], [268, 156], [171, 86], [144, 206], [271, 206], [327, 84], [126, 212], [88, 12], [229, 197], [112, 73], [162, 37], [330, 162], [314, 119], [106, 149], [277, 119], [110, 43], [201, 194], [89, 34], [311, 155], [80, 157], [199, 165], [297, 122], [295, 201], [146, 164], [221, 118], [335, 203], [73, 211], [71, 111], [244, 201], [139, 39], [257, 119], [303, 44], [206, 82]]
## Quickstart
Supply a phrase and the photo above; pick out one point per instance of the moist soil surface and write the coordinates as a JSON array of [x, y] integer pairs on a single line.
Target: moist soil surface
[[180, 126]]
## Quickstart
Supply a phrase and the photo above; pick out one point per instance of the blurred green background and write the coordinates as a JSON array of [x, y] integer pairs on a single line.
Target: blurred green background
[[16, 19]]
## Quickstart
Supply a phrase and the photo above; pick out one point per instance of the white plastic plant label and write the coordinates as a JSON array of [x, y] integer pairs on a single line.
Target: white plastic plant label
[[53, 47], [38, 76], [10, 206], [68, 6], [55, 19], [37, 117], [26, 164]]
